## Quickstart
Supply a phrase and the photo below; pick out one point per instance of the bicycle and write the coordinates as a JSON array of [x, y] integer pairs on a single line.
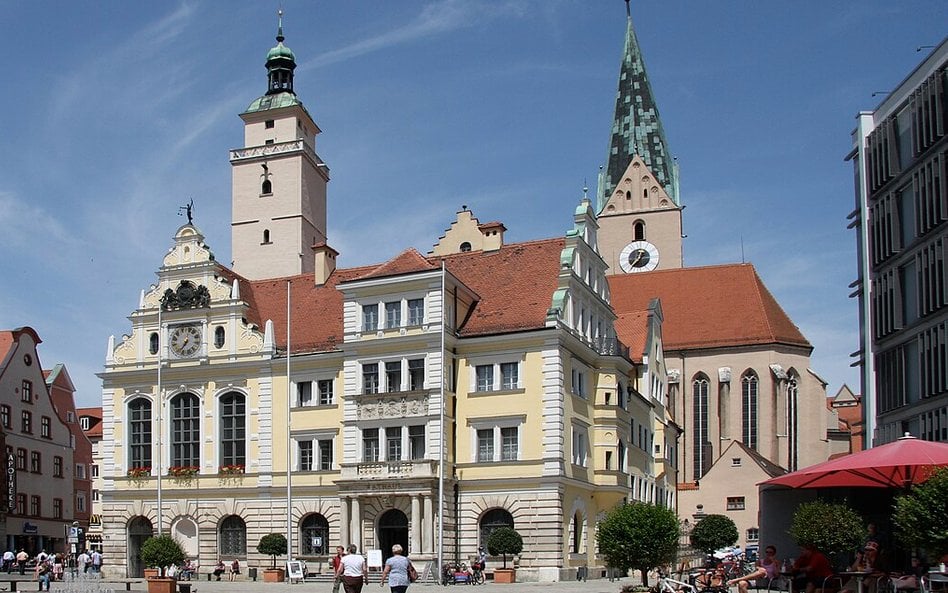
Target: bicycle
[[477, 573], [666, 584]]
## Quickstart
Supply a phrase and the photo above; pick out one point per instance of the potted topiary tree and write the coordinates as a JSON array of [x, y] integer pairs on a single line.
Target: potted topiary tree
[[273, 545], [500, 542], [161, 552], [834, 529]]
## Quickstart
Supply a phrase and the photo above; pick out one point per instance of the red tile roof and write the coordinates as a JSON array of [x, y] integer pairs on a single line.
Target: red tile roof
[[95, 424], [632, 329], [514, 285], [708, 307]]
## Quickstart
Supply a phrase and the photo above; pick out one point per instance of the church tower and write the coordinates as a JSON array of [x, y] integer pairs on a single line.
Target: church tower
[[638, 210], [278, 181]]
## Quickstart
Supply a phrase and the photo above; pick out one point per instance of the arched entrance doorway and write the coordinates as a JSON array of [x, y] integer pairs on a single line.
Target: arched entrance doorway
[[139, 529], [393, 529]]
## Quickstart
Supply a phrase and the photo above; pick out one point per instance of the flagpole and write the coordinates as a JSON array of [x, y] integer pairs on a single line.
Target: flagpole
[[289, 394], [158, 407], [441, 433]]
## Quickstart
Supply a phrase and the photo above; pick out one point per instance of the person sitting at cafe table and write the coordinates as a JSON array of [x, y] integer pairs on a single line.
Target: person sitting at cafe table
[[767, 570], [867, 561], [811, 569]]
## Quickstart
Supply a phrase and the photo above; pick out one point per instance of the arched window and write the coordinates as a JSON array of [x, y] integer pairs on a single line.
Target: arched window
[[577, 534], [266, 187], [314, 535], [702, 441], [491, 520], [266, 236], [153, 343], [219, 337], [465, 247], [233, 430], [749, 409], [645, 192], [185, 431], [139, 434], [233, 537], [793, 395], [628, 195], [638, 230]]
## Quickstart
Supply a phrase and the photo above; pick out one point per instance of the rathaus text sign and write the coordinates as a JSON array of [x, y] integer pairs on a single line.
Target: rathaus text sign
[[11, 482]]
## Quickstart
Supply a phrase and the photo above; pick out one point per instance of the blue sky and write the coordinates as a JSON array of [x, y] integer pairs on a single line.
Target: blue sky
[[115, 113]]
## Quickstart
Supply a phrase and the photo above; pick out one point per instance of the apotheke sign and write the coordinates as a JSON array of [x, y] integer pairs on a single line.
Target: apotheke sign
[[11, 482]]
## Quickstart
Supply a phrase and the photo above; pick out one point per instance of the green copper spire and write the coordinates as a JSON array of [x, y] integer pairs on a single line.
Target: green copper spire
[[280, 64], [636, 126]]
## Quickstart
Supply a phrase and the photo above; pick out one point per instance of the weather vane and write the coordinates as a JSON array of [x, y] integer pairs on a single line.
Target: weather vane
[[188, 209]]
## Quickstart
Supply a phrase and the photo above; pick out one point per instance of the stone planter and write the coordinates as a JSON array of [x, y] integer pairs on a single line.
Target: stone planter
[[505, 575], [161, 584], [274, 575]]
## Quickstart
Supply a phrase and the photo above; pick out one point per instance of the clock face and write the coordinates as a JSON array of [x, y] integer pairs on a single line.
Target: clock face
[[186, 340], [638, 256]]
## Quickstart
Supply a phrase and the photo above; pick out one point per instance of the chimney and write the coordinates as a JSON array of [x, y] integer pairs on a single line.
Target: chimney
[[493, 235], [325, 259]]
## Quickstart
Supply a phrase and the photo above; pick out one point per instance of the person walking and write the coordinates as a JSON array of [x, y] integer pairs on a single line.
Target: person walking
[[335, 562], [397, 570], [21, 559], [8, 559], [353, 571], [96, 561]]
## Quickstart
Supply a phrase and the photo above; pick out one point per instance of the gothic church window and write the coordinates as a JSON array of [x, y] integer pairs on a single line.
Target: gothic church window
[[749, 386], [638, 230], [702, 441]]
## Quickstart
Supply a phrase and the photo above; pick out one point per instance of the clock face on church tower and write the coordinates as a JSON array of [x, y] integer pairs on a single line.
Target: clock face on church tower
[[638, 256]]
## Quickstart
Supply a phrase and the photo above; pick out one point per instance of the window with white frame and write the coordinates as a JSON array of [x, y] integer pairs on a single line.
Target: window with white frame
[[370, 317], [325, 454], [497, 440], [753, 534], [80, 501], [393, 443], [416, 374], [324, 386], [497, 376], [393, 376], [580, 445], [578, 380], [370, 377], [314, 452], [370, 444], [305, 456], [304, 393], [416, 311], [416, 442], [735, 503], [393, 314]]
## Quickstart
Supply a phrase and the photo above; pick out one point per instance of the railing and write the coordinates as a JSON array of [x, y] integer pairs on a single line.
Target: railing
[[382, 470], [239, 154]]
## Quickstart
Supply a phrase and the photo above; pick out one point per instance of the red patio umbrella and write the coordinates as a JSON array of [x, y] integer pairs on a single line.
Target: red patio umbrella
[[894, 465]]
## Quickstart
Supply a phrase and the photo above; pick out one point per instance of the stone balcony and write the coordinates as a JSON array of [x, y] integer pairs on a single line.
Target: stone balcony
[[390, 470]]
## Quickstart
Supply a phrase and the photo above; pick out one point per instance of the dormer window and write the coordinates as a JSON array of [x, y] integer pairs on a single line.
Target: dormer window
[[465, 247]]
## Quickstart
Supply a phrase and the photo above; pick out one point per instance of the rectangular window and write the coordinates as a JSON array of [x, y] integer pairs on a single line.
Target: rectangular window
[[84, 423], [5, 416], [370, 318], [416, 374], [306, 456], [485, 377], [579, 447], [80, 471], [268, 124], [36, 462], [94, 471], [509, 375], [304, 392], [509, 443], [393, 314], [46, 427], [26, 392], [370, 378], [393, 376], [416, 311], [485, 444], [35, 505], [325, 392], [57, 508], [735, 503], [26, 422], [579, 382], [80, 502], [393, 443], [139, 427], [325, 454], [416, 442], [21, 504], [21, 459], [753, 534], [57, 466], [370, 444], [95, 495]]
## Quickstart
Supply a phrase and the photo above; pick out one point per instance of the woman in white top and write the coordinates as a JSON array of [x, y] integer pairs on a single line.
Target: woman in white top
[[353, 571]]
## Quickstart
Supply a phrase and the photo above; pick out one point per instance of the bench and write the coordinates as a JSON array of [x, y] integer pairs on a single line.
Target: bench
[[12, 583], [130, 582]]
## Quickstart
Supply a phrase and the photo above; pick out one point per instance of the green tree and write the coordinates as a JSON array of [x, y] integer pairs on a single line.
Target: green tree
[[713, 532], [831, 528], [921, 516], [503, 541], [273, 545], [638, 536], [161, 552]]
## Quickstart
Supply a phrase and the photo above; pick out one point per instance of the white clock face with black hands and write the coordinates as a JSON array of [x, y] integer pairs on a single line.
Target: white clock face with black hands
[[186, 340], [638, 256]]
